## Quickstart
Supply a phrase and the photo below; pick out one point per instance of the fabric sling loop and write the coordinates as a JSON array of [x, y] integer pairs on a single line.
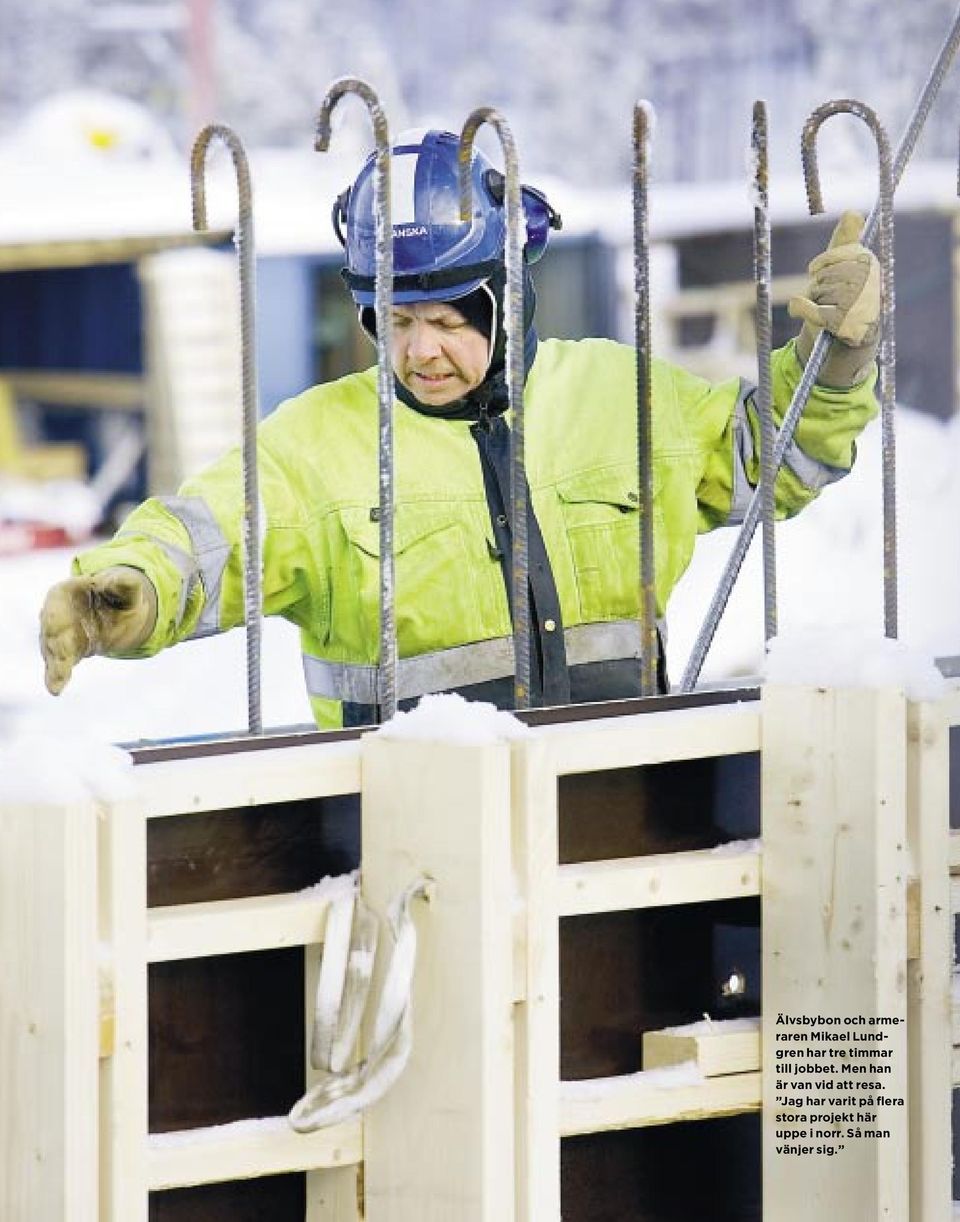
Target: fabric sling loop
[[513, 323], [343, 992], [811, 175], [813, 366], [383, 306], [643, 120], [762, 273], [243, 238]]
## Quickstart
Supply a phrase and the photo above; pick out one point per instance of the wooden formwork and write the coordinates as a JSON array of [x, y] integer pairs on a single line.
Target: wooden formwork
[[162, 955]]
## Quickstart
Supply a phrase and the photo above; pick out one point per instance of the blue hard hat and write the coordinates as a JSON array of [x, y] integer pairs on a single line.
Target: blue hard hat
[[436, 256]]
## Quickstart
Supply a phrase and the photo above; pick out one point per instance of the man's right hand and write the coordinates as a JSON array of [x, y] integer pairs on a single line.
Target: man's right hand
[[113, 611]]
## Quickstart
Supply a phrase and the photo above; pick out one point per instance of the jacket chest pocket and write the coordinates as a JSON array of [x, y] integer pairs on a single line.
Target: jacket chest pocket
[[601, 515], [435, 586]]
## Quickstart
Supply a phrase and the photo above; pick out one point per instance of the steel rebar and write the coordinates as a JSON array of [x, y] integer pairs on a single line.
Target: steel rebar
[[814, 363], [764, 328], [643, 120], [244, 241], [513, 325], [811, 174], [383, 307]]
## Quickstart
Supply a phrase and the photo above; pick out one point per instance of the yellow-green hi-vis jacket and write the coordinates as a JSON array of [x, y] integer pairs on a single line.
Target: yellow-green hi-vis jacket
[[319, 493]]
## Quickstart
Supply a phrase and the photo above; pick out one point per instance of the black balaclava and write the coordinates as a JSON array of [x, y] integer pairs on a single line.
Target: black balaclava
[[490, 398]]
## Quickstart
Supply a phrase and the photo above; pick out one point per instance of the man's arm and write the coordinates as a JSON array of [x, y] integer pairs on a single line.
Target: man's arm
[[187, 553], [843, 296]]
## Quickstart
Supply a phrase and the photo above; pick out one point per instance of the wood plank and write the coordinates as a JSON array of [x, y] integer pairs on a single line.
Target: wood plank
[[84, 252], [49, 1013], [77, 388], [657, 881], [537, 1019], [835, 866], [930, 1063], [633, 1102], [223, 927], [954, 851], [952, 706], [716, 1048], [124, 1090], [739, 294], [247, 1149], [287, 774], [678, 734], [333, 1194], [444, 1133], [955, 1009]]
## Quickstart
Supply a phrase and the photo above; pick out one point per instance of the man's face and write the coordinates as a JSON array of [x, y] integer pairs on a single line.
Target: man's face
[[437, 355]]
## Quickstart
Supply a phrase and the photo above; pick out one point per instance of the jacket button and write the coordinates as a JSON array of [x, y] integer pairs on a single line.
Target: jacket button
[[501, 519], [550, 625]]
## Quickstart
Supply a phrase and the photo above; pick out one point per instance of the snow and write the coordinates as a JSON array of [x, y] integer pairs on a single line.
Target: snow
[[50, 769], [70, 504], [842, 656], [330, 887], [735, 847], [127, 702], [262, 1126], [670, 1077], [709, 1026], [452, 719]]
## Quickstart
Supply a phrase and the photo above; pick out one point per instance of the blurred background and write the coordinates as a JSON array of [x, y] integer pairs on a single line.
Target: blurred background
[[119, 355]]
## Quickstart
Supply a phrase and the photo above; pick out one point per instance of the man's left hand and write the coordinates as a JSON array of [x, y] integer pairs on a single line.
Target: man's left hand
[[843, 297]]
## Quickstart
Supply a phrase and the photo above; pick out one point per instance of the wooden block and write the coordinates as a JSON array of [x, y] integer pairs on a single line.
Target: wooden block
[[716, 1048]]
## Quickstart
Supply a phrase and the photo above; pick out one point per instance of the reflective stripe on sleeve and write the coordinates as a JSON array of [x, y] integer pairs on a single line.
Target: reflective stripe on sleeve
[[182, 561], [211, 550], [463, 665], [812, 473], [743, 454]]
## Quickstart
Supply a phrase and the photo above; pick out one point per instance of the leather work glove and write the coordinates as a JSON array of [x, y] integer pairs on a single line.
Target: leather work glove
[[843, 297], [113, 611]]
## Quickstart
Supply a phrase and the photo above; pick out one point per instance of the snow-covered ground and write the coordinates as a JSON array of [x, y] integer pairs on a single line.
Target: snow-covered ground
[[829, 571]]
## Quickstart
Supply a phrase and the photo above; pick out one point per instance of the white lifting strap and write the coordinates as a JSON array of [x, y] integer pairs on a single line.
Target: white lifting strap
[[343, 990]]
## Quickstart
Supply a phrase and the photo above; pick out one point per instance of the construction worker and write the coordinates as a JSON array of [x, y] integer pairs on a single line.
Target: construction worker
[[174, 570]]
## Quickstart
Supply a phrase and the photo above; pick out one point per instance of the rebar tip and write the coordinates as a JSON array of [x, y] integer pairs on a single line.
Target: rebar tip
[[759, 149]]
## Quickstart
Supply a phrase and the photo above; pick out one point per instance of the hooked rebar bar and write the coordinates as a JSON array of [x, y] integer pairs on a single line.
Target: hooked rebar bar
[[383, 307], [643, 120], [811, 174], [252, 562], [513, 325], [812, 368], [764, 395]]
